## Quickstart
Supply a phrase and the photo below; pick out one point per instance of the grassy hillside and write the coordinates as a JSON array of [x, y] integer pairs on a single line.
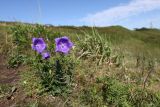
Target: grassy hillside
[[108, 66]]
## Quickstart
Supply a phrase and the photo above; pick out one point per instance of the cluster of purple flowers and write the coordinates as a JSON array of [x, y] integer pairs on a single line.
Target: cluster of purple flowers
[[63, 45]]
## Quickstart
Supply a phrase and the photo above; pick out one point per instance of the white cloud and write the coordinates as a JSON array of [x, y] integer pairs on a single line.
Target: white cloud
[[121, 12]]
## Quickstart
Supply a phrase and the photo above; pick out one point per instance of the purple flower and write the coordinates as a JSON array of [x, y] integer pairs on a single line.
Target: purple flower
[[63, 45], [45, 55], [38, 44]]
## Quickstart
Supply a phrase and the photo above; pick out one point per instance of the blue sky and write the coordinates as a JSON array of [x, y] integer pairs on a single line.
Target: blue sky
[[128, 13]]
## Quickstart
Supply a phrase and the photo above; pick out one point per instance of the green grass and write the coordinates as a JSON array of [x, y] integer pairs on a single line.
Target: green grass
[[5, 89], [115, 66]]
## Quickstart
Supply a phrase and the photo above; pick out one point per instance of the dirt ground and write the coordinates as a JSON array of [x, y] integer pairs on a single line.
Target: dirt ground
[[10, 79]]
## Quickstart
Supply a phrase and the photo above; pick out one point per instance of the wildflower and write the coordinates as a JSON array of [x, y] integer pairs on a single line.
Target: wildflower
[[63, 45], [38, 44], [46, 55]]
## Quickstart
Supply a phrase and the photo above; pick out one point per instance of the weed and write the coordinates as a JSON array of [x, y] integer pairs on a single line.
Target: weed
[[93, 46]]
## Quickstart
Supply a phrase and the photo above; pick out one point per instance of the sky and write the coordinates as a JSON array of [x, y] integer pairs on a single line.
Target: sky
[[127, 13]]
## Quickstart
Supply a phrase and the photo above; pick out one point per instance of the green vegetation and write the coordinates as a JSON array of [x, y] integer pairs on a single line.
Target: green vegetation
[[109, 66]]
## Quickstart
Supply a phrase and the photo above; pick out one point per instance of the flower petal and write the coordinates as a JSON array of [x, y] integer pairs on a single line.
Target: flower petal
[[33, 40], [63, 45], [45, 55], [57, 40], [38, 44]]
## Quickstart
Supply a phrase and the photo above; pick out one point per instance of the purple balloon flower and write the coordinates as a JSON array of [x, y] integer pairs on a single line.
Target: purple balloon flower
[[46, 55], [63, 45], [38, 44]]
